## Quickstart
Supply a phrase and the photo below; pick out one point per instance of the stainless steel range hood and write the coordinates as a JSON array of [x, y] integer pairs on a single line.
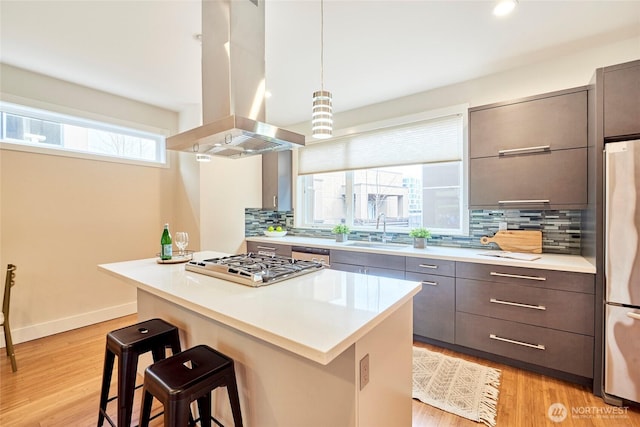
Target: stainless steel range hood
[[233, 82]]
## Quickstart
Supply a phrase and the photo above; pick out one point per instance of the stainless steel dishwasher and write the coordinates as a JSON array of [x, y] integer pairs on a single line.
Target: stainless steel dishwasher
[[306, 253]]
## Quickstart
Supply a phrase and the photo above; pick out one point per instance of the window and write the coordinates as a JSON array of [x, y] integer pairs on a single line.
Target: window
[[38, 128], [413, 174]]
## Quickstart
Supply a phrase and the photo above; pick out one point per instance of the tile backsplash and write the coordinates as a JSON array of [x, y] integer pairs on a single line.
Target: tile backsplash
[[560, 228]]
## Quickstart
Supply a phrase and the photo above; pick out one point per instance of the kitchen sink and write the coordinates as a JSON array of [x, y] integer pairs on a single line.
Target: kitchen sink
[[378, 245]]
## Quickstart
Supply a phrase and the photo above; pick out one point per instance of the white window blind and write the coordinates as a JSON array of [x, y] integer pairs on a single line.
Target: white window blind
[[430, 141]]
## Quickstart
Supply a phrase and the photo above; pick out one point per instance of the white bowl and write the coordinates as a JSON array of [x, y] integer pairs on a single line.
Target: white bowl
[[275, 233]]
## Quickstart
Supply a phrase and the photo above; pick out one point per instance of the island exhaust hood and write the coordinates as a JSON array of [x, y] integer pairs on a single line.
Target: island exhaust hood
[[233, 83]]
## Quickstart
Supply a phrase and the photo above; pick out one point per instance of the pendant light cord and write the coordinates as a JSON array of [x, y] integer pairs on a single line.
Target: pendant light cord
[[322, 45]]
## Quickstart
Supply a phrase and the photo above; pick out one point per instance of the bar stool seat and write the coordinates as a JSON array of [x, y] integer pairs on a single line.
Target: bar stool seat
[[182, 378], [128, 344]]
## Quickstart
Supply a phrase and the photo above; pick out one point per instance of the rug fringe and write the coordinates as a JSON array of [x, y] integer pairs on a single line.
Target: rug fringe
[[488, 406]]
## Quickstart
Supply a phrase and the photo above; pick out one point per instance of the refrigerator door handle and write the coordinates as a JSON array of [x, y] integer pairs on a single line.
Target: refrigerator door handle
[[634, 316]]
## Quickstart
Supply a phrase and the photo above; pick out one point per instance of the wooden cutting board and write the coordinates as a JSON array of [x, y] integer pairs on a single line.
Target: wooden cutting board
[[516, 241]]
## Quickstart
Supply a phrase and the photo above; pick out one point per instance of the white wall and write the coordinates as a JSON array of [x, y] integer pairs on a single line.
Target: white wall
[[573, 69], [227, 187]]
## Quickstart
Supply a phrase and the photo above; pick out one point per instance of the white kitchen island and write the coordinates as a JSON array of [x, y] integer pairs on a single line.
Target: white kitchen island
[[297, 344]]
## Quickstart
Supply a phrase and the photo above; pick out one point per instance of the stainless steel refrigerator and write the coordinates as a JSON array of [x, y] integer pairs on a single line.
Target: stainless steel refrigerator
[[622, 270]]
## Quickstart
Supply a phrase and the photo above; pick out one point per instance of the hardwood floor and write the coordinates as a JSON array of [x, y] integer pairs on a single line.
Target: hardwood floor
[[58, 384]]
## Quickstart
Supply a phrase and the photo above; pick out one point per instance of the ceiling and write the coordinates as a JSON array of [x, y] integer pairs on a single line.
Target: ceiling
[[374, 50]]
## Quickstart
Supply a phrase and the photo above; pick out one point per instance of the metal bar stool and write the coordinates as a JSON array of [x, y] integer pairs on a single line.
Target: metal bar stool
[[128, 344], [182, 378], [4, 315]]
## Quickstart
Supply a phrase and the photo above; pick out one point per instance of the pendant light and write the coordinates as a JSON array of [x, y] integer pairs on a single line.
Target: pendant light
[[322, 113]]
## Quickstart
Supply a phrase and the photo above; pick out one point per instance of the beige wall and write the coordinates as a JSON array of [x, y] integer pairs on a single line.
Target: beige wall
[[61, 216]]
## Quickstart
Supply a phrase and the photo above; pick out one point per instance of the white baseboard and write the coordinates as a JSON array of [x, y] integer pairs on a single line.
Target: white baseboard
[[40, 330]]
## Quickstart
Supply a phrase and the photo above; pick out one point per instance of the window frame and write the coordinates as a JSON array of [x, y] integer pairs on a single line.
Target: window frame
[[82, 122], [301, 193]]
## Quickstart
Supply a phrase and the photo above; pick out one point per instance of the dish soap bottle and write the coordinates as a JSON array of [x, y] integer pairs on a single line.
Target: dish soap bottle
[[166, 248]]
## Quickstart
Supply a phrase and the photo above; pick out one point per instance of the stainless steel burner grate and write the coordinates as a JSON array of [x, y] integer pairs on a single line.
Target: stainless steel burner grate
[[253, 269]]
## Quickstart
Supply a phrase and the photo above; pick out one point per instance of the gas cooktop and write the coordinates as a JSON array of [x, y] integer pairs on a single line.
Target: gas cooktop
[[253, 269]]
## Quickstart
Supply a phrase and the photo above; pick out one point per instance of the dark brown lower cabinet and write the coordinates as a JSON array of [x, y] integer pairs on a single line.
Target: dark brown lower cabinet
[[549, 348], [541, 317], [434, 307]]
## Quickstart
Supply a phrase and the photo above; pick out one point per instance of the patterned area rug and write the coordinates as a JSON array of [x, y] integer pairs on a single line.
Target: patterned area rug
[[457, 386]]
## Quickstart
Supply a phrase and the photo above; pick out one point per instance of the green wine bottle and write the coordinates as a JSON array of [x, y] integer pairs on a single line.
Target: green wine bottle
[[166, 248]]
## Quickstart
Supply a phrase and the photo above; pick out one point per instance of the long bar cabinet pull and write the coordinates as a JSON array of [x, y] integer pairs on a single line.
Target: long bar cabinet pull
[[524, 149], [426, 282], [518, 304], [538, 201], [524, 344], [634, 316], [428, 266], [518, 276], [266, 247]]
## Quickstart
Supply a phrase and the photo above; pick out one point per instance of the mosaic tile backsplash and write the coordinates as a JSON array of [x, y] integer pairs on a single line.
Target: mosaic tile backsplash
[[560, 228]]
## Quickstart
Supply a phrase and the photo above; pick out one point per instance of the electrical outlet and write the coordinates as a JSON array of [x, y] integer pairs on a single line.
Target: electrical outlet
[[364, 371], [502, 225], [288, 222]]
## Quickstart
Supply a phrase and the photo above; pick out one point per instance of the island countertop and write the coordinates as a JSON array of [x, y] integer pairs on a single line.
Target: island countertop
[[316, 316]]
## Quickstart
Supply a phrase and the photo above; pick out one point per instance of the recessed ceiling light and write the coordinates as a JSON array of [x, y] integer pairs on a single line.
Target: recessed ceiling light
[[504, 7]]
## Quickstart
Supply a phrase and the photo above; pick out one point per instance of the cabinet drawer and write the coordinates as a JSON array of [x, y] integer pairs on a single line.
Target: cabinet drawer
[[393, 262], [434, 307], [563, 351], [431, 266], [269, 248], [566, 311], [550, 279], [373, 271], [528, 181], [555, 120]]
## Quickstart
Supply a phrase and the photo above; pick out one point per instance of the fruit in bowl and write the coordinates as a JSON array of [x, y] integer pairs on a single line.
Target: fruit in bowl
[[277, 231]]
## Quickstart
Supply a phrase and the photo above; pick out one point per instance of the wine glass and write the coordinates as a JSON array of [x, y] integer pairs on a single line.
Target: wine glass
[[182, 240]]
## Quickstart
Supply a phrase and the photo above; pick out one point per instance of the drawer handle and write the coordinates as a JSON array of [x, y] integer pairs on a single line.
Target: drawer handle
[[525, 344], [634, 316], [517, 304], [426, 282], [266, 247], [428, 266], [518, 276], [506, 202], [525, 149]]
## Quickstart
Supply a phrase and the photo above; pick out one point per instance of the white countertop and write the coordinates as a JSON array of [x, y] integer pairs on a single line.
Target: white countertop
[[571, 263], [317, 315]]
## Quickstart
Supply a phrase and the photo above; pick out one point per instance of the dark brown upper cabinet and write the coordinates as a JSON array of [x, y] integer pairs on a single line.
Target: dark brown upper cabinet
[[277, 184], [622, 100], [530, 153]]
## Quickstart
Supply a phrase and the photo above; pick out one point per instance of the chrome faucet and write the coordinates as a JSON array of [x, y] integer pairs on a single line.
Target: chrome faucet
[[384, 226]]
